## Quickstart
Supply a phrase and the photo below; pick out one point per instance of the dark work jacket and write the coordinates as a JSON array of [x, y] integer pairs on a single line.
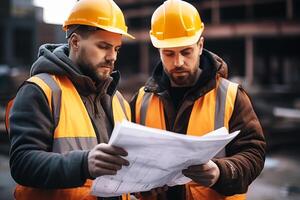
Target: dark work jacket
[[245, 154], [31, 125]]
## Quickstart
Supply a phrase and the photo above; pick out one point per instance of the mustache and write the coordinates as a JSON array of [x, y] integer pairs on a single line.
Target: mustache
[[107, 64], [178, 69]]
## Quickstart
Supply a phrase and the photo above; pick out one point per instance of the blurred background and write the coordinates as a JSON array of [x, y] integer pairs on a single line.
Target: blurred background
[[259, 40]]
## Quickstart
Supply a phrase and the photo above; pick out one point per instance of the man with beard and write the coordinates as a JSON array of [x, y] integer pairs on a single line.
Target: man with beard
[[62, 117], [188, 93]]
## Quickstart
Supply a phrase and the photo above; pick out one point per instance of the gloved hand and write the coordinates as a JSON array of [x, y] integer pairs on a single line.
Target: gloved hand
[[105, 159], [206, 174]]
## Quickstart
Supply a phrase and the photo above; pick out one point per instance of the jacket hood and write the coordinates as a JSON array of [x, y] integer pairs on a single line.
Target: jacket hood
[[210, 64], [53, 59]]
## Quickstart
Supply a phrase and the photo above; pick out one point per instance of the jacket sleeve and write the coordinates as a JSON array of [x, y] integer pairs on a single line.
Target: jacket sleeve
[[245, 154], [31, 135]]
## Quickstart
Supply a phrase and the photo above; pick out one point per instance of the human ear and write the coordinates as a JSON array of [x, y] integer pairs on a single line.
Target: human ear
[[200, 44], [74, 41]]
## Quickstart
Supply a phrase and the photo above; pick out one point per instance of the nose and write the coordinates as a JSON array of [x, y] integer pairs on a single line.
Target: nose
[[178, 62], [111, 55]]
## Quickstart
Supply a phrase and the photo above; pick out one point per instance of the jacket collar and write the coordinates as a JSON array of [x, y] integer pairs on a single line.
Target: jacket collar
[[211, 66], [53, 59]]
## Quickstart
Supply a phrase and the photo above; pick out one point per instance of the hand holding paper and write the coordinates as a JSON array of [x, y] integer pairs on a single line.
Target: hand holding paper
[[157, 158], [205, 174]]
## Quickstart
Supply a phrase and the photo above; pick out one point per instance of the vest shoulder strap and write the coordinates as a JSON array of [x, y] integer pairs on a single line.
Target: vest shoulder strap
[[51, 90], [55, 98], [124, 105]]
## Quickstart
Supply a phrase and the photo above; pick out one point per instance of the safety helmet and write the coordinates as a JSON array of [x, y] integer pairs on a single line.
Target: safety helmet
[[104, 14], [175, 23]]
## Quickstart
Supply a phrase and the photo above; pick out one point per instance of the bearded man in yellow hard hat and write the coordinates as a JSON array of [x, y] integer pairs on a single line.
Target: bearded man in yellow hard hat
[[62, 117], [189, 93]]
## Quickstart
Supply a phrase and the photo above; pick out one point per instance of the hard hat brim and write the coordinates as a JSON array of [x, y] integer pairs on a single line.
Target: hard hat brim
[[107, 28], [116, 30], [175, 42]]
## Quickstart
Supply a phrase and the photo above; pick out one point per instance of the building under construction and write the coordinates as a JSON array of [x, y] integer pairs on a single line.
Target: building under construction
[[258, 39]]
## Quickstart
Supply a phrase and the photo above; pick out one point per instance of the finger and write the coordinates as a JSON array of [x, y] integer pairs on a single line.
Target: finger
[[159, 190], [199, 176], [165, 187], [202, 167], [153, 192], [101, 172], [112, 159], [202, 179], [112, 150], [106, 165]]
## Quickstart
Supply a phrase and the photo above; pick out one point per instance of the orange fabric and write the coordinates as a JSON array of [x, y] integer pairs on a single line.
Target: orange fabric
[[71, 124], [157, 119], [118, 113], [126, 197], [138, 105], [74, 120], [7, 110], [44, 87], [204, 109], [195, 192], [28, 193]]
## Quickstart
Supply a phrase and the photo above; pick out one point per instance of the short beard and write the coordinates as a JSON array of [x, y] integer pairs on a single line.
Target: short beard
[[91, 71], [190, 80]]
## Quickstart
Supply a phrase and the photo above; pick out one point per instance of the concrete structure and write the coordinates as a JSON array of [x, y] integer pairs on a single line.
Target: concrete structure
[[255, 37], [22, 31]]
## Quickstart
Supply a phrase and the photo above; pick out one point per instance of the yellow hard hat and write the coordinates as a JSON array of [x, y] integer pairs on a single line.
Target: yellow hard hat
[[175, 23], [104, 14]]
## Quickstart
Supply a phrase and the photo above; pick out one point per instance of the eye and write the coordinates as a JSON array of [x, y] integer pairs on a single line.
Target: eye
[[186, 53], [103, 46], [168, 53]]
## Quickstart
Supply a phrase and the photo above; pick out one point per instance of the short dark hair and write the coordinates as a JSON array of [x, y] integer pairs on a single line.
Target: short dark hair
[[83, 30]]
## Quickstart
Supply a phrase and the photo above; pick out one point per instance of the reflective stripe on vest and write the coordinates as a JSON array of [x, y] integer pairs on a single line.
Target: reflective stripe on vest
[[73, 131], [210, 112]]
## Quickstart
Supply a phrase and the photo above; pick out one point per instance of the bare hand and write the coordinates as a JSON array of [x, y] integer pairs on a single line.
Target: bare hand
[[206, 174], [152, 193], [105, 159]]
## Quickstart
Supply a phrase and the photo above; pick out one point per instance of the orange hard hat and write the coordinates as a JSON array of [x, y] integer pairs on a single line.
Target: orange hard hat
[[104, 14], [175, 23]]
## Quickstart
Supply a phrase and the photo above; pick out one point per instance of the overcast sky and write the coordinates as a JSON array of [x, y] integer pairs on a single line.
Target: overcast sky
[[55, 11]]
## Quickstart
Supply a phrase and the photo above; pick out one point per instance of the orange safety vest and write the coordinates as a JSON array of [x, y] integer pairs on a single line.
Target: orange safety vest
[[73, 131], [213, 110]]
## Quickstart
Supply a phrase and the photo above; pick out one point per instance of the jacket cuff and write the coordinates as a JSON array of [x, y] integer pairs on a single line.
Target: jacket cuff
[[86, 173], [228, 173]]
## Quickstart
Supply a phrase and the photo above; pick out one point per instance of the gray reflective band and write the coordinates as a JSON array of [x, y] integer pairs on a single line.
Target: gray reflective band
[[121, 100], [221, 103], [65, 144], [56, 95], [144, 107]]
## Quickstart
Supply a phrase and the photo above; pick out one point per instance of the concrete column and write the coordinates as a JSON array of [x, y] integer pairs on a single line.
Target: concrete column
[[215, 12], [249, 60], [144, 58], [8, 43], [289, 9]]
